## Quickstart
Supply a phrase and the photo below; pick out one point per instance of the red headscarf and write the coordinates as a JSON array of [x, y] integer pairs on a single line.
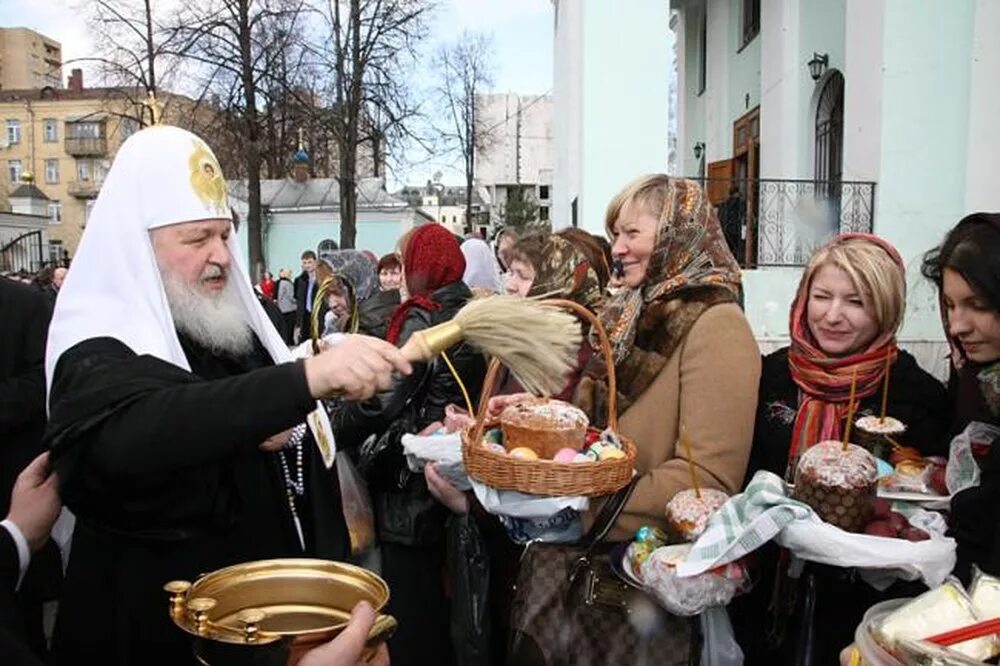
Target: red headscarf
[[431, 259], [825, 381]]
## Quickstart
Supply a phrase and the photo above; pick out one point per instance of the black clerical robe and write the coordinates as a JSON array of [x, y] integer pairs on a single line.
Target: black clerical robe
[[162, 468]]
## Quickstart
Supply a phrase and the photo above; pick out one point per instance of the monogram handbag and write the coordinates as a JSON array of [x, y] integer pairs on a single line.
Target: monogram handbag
[[570, 608]]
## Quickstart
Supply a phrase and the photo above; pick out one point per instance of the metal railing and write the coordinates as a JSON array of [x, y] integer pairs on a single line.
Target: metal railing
[[26, 253], [781, 222]]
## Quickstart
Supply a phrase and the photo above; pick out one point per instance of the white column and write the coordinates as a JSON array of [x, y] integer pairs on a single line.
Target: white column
[[982, 184], [863, 75], [780, 88], [567, 109], [626, 73]]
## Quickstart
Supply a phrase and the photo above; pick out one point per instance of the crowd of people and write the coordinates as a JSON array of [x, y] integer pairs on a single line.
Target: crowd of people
[[168, 415]]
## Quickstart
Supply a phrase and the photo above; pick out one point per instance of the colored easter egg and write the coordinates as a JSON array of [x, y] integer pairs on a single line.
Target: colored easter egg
[[565, 455], [524, 453], [611, 453]]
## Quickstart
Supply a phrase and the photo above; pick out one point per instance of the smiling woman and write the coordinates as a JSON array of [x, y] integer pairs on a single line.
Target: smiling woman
[[843, 324]]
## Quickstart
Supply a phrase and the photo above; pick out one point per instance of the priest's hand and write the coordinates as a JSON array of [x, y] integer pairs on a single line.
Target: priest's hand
[[276, 442], [346, 648], [355, 369], [34, 502]]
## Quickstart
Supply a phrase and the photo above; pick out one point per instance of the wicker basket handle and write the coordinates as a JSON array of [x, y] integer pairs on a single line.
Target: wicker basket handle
[[492, 373]]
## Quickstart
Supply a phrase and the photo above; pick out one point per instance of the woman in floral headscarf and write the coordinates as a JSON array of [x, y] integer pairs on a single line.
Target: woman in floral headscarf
[[541, 264], [684, 353]]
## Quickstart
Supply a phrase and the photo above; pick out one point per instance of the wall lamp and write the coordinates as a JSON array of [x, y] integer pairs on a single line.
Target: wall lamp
[[818, 65]]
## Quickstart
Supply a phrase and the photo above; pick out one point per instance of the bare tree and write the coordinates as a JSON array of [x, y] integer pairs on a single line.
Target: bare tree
[[235, 44], [465, 70], [370, 45]]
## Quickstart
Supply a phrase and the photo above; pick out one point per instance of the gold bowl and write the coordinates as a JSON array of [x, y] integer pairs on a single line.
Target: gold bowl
[[273, 611]]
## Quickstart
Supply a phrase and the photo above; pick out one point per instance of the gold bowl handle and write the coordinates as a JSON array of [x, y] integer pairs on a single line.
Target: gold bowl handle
[[382, 630]]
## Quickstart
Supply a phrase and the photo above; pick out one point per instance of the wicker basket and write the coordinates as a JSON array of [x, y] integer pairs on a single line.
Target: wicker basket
[[547, 477]]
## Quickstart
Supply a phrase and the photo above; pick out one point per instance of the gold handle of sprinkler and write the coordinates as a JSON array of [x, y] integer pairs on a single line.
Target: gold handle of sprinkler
[[424, 345]]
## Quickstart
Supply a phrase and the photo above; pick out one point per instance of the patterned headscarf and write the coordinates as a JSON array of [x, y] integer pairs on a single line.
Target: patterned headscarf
[[564, 272], [356, 268], [431, 259], [354, 272], [690, 251], [825, 381]]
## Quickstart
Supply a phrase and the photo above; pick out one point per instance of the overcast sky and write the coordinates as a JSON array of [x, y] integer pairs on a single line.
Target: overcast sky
[[522, 37]]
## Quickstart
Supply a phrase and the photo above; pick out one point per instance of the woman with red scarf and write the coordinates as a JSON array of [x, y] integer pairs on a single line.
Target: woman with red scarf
[[843, 323], [410, 523]]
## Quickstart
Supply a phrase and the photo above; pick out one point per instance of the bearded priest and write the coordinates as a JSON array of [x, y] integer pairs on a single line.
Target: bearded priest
[[184, 437]]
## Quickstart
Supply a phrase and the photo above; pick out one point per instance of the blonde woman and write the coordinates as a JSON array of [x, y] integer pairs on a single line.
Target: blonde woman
[[843, 324]]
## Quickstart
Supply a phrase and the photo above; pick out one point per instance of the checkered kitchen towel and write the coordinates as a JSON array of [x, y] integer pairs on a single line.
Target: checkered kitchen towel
[[745, 523]]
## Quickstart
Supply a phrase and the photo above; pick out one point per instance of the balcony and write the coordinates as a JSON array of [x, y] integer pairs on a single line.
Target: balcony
[[86, 146], [84, 189], [774, 222]]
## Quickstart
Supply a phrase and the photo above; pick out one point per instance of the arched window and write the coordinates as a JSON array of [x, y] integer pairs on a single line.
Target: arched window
[[830, 129], [326, 246]]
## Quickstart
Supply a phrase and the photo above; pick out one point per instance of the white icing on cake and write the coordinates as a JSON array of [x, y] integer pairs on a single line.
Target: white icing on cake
[[829, 465]]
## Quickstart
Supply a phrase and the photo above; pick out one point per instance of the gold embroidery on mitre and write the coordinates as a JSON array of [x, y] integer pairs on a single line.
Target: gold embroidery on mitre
[[206, 178]]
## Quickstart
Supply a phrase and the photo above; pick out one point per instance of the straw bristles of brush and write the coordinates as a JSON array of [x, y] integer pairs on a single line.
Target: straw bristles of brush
[[538, 343]]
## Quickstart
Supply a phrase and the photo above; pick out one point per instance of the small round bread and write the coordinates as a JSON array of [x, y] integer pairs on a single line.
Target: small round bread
[[687, 514], [544, 426], [880, 426], [874, 433]]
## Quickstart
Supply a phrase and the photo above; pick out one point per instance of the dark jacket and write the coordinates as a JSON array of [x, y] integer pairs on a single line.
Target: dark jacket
[[374, 312], [301, 316], [431, 386], [975, 512], [840, 599], [915, 397], [24, 324]]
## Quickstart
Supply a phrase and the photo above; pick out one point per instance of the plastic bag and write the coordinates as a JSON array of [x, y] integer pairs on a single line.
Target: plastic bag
[[971, 443], [357, 504], [690, 595], [719, 646]]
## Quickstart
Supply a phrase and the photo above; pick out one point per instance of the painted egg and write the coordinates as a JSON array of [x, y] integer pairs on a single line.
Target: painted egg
[[496, 448], [650, 534], [565, 455], [582, 457], [495, 435], [611, 453], [596, 448], [523, 453]]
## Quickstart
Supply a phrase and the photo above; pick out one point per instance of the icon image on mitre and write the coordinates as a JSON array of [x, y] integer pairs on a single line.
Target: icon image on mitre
[[206, 179]]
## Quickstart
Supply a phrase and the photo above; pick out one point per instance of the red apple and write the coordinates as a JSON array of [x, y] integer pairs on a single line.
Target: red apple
[[898, 521], [914, 534], [881, 508], [881, 528]]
